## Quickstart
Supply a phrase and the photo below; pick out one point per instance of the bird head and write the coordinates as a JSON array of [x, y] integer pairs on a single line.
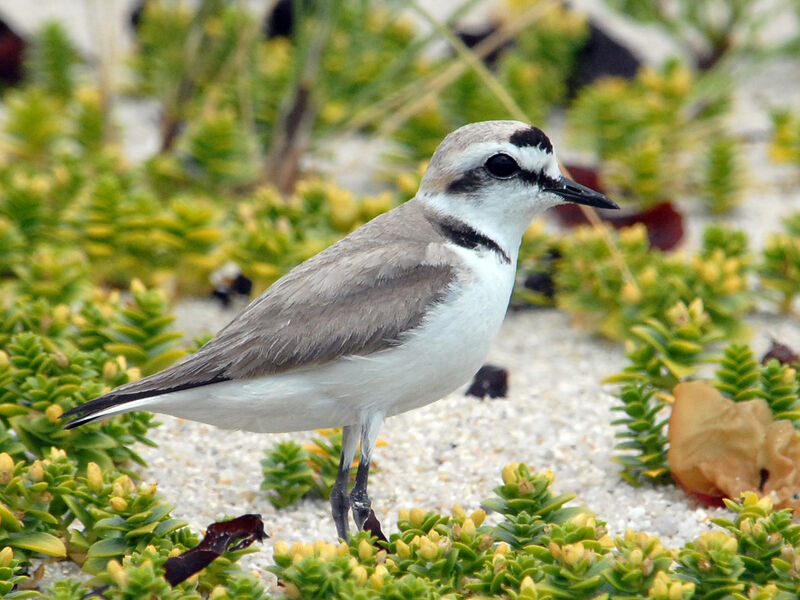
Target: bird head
[[498, 175]]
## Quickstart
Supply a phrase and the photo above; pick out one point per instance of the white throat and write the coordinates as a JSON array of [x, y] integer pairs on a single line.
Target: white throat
[[503, 222]]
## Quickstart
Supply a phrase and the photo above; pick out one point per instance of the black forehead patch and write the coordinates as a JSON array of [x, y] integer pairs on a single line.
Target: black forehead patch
[[531, 136]]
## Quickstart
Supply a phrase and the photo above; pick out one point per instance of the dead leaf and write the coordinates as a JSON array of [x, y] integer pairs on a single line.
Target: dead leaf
[[720, 448], [220, 537], [373, 526], [782, 352]]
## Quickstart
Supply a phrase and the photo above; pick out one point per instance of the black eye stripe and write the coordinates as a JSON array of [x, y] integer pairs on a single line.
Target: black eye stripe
[[539, 178], [477, 178]]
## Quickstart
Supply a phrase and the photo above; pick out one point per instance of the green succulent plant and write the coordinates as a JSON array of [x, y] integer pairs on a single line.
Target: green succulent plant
[[779, 270]]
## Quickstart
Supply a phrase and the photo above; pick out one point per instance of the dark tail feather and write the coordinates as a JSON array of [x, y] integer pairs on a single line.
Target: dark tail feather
[[144, 388], [88, 411]]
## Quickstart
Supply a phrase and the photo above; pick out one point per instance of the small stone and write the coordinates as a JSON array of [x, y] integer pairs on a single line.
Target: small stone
[[491, 381]]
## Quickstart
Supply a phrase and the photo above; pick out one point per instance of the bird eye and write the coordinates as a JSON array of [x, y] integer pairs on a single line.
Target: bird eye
[[502, 166]]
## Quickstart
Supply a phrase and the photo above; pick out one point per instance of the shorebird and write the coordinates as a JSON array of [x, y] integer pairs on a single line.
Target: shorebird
[[392, 317]]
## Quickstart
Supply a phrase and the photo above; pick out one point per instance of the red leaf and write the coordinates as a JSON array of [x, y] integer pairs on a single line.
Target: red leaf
[[220, 537], [663, 222]]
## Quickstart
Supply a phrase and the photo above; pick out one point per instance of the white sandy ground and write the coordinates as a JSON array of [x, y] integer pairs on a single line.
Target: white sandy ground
[[557, 415]]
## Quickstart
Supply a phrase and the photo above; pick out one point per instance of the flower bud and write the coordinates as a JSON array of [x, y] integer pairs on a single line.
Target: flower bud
[[428, 549], [525, 487], [509, 475], [365, 550], [675, 591], [631, 292], [291, 590], [527, 584], [467, 529], [61, 312], [401, 549], [6, 556], [117, 573], [117, 503], [360, 574], [53, 413], [94, 476], [110, 369], [137, 287], [280, 548], [6, 467], [478, 517], [376, 579], [61, 359], [148, 491], [416, 516], [36, 471], [502, 548]]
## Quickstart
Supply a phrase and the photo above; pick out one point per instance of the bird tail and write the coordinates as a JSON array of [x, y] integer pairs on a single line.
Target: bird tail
[[139, 395], [103, 406]]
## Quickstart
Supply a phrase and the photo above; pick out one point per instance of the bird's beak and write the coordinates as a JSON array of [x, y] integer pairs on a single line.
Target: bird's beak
[[572, 191]]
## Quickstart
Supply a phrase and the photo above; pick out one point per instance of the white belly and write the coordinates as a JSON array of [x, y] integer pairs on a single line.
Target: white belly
[[442, 354]]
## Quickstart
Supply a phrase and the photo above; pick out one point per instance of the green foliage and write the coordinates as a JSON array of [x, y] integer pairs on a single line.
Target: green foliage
[[119, 518], [780, 267], [271, 233], [785, 146], [52, 60], [528, 505], [723, 181], [32, 510], [667, 351], [220, 151], [711, 562], [741, 377], [591, 284], [292, 471], [534, 72], [649, 132], [141, 331], [287, 476], [711, 30], [12, 576], [662, 353], [569, 556], [738, 373], [779, 387], [33, 123], [767, 541], [57, 357], [644, 447]]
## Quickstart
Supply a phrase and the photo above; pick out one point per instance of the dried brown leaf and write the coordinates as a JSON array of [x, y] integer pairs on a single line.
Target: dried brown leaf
[[720, 448]]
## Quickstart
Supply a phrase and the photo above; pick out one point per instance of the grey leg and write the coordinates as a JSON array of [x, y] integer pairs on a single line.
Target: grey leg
[[359, 500], [340, 502]]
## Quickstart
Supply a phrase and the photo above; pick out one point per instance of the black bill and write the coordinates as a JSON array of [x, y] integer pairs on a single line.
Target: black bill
[[580, 194]]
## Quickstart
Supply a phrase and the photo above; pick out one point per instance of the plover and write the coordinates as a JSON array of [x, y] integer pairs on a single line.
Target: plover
[[392, 317]]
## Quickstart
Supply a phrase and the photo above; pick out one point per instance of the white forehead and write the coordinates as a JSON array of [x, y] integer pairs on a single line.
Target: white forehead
[[469, 147]]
